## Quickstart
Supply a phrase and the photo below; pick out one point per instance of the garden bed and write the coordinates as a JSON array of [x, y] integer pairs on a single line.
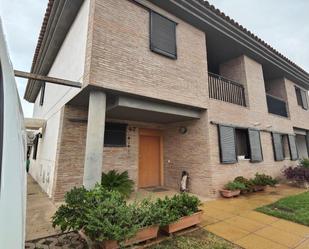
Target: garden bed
[[293, 208]]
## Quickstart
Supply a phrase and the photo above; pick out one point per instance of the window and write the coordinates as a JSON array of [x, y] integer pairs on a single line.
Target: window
[[162, 35], [42, 94], [242, 143], [236, 142], [115, 135], [301, 96], [284, 147]]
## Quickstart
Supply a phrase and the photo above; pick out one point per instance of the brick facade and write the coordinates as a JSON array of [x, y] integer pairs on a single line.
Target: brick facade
[[118, 58]]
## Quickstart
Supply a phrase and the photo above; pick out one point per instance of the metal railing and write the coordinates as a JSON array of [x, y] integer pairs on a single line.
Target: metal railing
[[276, 105], [226, 90]]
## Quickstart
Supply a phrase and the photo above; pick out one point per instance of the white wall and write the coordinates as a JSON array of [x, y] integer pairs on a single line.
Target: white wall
[[69, 64]]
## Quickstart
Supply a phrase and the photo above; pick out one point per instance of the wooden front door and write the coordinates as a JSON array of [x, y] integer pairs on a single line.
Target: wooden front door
[[149, 158]]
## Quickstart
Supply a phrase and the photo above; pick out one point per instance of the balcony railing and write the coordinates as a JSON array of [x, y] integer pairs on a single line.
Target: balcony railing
[[276, 106], [226, 90]]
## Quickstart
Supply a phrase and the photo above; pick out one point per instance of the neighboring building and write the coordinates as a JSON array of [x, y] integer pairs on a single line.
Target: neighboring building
[[173, 85]]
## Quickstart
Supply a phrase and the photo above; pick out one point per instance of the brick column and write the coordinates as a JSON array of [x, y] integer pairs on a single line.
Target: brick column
[[95, 139]]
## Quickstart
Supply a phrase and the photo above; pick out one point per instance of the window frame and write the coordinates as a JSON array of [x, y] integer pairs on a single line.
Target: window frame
[[246, 133], [156, 49], [125, 126]]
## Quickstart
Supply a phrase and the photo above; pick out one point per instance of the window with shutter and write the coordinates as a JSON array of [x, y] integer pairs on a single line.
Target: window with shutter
[[255, 145], [293, 148], [304, 99], [227, 144], [163, 35], [278, 146]]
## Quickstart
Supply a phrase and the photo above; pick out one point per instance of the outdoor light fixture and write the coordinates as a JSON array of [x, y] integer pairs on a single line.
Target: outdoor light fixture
[[183, 130]]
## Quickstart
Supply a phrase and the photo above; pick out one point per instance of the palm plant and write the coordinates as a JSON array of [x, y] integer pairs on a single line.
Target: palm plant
[[120, 182]]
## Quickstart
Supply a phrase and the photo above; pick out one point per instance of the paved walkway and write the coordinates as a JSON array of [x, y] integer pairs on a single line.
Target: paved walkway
[[235, 220], [40, 209]]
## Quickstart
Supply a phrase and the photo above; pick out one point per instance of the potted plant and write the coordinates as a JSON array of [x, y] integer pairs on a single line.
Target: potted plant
[[178, 212], [102, 217], [260, 181], [146, 216], [248, 184], [299, 175], [232, 189]]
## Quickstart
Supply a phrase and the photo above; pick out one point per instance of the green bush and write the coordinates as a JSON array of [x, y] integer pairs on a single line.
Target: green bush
[[264, 180], [248, 183], [103, 214], [120, 182], [304, 162], [171, 209], [235, 186]]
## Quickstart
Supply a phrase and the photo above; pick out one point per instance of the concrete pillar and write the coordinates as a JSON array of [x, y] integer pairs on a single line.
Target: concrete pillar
[[95, 139]]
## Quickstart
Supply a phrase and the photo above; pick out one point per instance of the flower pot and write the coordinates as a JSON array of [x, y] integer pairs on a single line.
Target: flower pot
[[229, 193], [257, 188], [106, 244], [144, 234], [184, 222]]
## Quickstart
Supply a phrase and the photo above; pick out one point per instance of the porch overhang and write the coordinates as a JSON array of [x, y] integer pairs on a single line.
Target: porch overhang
[[35, 124], [124, 106], [128, 108]]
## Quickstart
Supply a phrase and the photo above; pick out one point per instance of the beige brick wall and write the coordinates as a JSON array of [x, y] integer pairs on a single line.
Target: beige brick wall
[[249, 73], [120, 58]]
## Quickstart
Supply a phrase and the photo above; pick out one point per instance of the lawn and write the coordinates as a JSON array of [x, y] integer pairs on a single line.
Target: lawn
[[199, 239], [294, 208]]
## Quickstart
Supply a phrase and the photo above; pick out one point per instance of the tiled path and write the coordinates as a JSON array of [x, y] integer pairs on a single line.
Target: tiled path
[[39, 212], [235, 220]]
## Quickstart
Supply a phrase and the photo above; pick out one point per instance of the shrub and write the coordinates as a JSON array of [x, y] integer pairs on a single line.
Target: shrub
[[145, 213], [248, 183], [103, 214], [235, 186], [171, 209], [299, 174], [264, 180], [118, 181], [304, 162]]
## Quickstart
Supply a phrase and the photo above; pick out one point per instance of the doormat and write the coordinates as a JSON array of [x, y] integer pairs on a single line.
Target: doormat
[[156, 190]]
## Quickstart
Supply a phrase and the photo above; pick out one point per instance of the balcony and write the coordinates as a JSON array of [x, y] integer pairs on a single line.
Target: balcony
[[226, 90], [276, 106]]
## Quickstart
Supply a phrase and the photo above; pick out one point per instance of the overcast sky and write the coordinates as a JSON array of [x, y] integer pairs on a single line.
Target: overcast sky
[[284, 24]]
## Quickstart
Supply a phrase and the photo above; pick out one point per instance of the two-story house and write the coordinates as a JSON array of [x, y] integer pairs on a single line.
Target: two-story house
[[167, 86]]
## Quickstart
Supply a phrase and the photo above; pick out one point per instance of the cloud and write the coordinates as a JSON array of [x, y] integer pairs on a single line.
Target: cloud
[[22, 22], [282, 24]]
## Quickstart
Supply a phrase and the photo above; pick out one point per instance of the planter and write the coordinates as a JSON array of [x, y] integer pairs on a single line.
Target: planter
[[144, 234], [258, 188], [107, 244], [184, 222], [229, 193]]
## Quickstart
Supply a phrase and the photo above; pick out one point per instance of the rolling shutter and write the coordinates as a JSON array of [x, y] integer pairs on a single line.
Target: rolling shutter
[[304, 99], [162, 35], [278, 147], [227, 144], [293, 148], [255, 145]]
